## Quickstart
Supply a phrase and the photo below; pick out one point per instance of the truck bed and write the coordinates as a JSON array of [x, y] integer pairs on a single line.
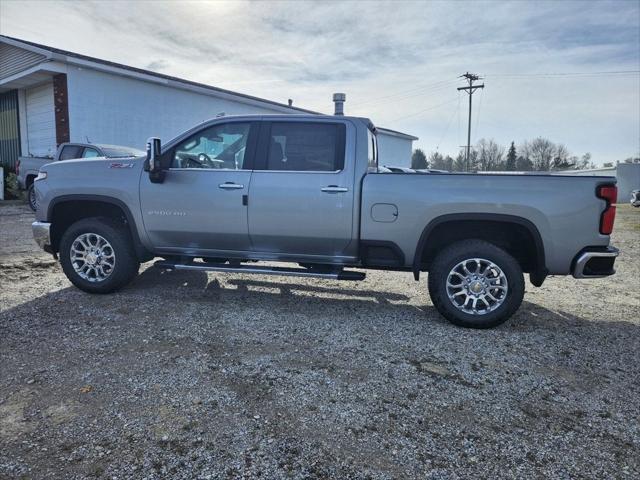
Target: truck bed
[[564, 209]]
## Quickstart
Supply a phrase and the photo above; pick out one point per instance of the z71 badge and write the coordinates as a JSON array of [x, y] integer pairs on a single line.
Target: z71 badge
[[121, 165]]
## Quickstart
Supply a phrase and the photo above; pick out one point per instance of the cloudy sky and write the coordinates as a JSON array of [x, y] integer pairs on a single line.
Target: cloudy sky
[[546, 65]]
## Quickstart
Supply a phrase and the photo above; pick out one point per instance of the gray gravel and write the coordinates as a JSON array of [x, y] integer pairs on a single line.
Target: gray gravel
[[194, 375]]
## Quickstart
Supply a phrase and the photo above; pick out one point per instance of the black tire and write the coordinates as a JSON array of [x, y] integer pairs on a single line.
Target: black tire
[[451, 256], [126, 263], [31, 197]]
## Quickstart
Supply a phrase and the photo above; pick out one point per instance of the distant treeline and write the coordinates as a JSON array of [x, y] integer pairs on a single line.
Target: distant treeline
[[539, 155]]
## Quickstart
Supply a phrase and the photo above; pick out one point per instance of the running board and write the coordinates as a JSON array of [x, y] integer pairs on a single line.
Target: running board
[[290, 272]]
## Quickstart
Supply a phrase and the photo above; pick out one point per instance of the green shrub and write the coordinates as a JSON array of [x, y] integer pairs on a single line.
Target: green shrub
[[11, 189]]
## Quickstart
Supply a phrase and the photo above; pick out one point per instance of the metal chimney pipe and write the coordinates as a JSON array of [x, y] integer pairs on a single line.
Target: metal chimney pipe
[[338, 100]]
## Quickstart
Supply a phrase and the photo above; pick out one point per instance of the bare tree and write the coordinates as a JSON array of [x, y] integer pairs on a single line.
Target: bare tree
[[585, 162], [490, 155], [541, 152], [562, 159]]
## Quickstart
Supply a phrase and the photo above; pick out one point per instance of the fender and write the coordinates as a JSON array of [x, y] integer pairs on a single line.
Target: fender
[[141, 251], [537, 276]]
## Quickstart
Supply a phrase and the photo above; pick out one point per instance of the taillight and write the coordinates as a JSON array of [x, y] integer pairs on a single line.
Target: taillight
[[610, 194], [18, 167]]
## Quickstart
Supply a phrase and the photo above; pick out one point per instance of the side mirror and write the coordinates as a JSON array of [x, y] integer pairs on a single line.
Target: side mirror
[[153, 163], [154, 150]]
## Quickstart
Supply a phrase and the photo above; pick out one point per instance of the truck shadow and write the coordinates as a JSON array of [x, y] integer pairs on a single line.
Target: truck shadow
[[160, 291], [277, 294], [153, 278]]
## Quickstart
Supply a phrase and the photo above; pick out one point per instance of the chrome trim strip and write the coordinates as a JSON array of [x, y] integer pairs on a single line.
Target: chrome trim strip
[[578, 269], [41, 233]]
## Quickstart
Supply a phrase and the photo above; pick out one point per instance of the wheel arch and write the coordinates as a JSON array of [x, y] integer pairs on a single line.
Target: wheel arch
[[537, 269], [28, 180], [67, 209]]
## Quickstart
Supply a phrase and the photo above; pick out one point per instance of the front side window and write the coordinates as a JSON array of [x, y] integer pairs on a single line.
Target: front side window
[[70, 152], [217, 147], [90, 153], [300, 146]]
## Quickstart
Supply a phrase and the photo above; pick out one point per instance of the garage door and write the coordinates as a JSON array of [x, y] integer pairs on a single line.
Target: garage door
[[41, 121]]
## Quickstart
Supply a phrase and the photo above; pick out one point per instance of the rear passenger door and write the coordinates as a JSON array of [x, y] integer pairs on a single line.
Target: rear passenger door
[[301, 191]]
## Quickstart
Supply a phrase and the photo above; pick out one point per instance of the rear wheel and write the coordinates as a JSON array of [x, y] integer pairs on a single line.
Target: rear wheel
[[97, 255], [476, 284]]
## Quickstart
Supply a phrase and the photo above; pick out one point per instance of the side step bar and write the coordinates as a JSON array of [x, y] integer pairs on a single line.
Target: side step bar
[[290, 272]]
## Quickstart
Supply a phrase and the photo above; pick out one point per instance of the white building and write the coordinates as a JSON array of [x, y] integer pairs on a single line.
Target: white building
[[50, 96], [627, 176]]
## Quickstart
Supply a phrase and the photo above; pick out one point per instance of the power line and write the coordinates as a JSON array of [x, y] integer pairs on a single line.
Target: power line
[[470, 89], [457, 110], [564, 74], [479, 110], [429, 87], [424, 110]]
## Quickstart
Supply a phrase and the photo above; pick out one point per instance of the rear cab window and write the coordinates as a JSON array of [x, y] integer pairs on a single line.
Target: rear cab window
[[70, 152], [90, 153], [305, 147]]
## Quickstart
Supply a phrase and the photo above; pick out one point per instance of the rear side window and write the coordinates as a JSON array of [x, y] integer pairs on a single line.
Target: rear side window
[[70, 151], [310, 147]]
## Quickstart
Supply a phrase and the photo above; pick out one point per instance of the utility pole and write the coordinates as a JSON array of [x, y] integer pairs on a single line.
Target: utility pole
[[470, 89]]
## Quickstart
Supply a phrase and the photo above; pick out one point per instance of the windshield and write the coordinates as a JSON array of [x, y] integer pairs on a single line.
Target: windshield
[[121, 152]]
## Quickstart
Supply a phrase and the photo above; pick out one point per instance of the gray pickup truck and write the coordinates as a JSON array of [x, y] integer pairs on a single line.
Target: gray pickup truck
[[307, 190], [28, 167]]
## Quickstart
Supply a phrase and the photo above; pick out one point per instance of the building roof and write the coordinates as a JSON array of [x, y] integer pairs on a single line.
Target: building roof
[[395, 133], [72, 55]]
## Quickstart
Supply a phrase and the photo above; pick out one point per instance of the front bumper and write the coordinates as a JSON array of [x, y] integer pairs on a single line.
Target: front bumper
[[595, 263], [42, 235]]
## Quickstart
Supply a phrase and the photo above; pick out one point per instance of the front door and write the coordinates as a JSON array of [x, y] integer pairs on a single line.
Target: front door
[[301, 194], [200, 206]]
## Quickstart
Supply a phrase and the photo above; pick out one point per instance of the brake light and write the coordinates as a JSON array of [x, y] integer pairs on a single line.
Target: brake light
[[609, 193]]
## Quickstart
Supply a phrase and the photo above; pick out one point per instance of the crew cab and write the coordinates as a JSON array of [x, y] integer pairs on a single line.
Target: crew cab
[[28, 167], [306, 190]]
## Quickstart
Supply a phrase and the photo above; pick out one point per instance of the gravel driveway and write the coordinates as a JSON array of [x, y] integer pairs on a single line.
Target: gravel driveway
[[195, 375]]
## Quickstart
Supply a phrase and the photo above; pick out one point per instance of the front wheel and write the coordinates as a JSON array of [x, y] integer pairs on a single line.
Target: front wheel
[[476, 284], [97, 255], [31, 197]]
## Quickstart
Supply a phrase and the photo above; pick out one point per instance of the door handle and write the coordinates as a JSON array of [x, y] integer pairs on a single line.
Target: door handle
[[230, 186], [334, 189]]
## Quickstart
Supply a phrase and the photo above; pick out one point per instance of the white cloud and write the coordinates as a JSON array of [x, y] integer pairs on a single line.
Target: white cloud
[[397, 61]]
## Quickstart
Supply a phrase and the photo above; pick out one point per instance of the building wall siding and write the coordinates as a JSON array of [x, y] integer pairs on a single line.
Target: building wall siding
[[394, 151], [108, 108]]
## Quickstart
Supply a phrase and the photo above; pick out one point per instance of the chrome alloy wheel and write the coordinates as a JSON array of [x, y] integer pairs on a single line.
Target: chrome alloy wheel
[[477, 286], [92, 257]]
